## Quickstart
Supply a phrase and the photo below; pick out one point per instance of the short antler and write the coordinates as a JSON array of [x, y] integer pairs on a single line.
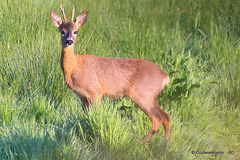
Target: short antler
[[73, 14], [64, 17]]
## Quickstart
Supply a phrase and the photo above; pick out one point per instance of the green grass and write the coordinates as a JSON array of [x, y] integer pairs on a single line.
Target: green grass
[[195, 42]]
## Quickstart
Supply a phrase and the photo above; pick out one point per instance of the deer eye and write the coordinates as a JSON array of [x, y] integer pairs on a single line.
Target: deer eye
[[62, 33], [75, 32]]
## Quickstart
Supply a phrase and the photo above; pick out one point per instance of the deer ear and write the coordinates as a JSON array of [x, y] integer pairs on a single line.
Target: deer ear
[[56, 19], [81, 19]]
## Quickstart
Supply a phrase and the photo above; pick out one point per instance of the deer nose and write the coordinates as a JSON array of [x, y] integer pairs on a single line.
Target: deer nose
[[69, 42]]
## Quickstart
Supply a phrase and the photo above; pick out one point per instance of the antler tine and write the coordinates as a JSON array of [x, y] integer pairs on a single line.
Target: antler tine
[[73, 13], [64, 17]]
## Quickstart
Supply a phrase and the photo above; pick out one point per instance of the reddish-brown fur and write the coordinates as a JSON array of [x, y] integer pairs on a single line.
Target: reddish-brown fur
[[92, 77]]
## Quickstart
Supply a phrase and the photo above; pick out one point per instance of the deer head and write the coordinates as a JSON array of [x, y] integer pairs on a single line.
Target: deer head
[[67, 29]]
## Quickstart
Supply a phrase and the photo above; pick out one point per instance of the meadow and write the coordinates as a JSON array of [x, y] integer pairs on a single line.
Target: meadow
[[195, 42]]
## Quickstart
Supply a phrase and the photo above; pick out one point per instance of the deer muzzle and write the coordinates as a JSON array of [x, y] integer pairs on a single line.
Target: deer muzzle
[[69, 42]]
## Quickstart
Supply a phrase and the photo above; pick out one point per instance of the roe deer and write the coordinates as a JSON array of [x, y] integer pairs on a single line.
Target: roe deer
[[92, 77]]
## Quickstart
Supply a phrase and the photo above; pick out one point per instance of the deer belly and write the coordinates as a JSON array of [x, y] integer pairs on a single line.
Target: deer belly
[[116, 90]]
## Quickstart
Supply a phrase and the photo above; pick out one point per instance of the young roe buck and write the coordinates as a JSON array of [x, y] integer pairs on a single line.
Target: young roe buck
[[92, 77]]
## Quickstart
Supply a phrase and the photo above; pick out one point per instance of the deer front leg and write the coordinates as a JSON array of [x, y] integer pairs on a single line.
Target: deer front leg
[[85, 104]]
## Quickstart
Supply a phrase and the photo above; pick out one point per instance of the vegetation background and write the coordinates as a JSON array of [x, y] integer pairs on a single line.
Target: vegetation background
[[195, 42]]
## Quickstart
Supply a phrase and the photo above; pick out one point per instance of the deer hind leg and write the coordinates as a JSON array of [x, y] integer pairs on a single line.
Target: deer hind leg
[[156, 119], [149, 108], [166, 120]]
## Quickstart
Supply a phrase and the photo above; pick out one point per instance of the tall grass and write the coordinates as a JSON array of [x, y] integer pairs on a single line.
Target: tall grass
[[195, 42]]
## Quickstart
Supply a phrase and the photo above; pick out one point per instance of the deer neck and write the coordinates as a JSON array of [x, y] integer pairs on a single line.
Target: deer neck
[[68, 60]]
